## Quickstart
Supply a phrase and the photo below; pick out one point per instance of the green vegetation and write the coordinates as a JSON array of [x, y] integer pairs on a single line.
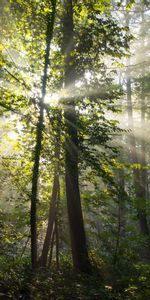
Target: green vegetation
[[74, 150]]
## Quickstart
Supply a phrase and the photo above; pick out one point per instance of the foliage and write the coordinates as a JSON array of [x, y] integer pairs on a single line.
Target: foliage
[[109, 201], [20, 283]]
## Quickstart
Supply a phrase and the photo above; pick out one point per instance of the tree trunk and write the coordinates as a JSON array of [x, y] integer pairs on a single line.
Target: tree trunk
[[139, 190], [77, 232], [57, 239], [51, 223], [39, 133], [138, 182], [122, 196], [143, 174], [51, 247], [53, 209]]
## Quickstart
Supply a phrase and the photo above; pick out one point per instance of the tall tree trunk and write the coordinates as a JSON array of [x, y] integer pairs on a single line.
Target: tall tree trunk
[[51, 222], [53, 209], [143, 174], [57, 239], [39, 133], [139, 187], [51, 247], [138, 182], [122, 196], [144, 179], [77, 232]]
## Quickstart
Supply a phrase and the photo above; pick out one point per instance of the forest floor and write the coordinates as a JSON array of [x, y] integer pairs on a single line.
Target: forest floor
[[18, 282]]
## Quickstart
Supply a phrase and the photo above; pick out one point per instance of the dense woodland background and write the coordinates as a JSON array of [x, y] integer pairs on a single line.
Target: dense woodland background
[[74, 149]]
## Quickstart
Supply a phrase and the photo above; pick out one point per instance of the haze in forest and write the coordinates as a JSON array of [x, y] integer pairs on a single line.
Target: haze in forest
[[74, 150]]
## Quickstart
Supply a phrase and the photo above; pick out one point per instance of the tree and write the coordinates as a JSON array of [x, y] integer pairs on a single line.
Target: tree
[[78, 240], [138, 175], [50, 25], [87, 141]]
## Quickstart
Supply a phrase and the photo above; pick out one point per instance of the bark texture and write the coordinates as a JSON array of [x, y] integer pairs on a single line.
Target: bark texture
[[39, 134], [51, 223], [77, 232]]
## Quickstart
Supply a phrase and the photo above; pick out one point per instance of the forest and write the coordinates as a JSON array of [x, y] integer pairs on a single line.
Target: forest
[[74, 149]]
